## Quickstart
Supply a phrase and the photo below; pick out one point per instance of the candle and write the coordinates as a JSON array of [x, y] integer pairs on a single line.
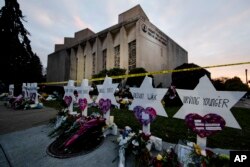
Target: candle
[[111, 120]]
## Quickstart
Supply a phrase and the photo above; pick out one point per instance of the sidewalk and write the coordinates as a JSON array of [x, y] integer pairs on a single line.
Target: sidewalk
[[244, 103], [28, 148], [15, 120], [24, 140]]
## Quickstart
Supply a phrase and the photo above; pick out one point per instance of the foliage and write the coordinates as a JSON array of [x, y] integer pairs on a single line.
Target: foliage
[[188, 79], [116, 71], [219, 83], [137, 81], [235, 84], [112, 72], [18, 59], [102, 73], [230, 84], [56, 104]]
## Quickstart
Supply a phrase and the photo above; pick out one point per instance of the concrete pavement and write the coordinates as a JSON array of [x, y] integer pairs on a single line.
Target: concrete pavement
[[27, 148], [244, 103], [24, 140], [15, 120]]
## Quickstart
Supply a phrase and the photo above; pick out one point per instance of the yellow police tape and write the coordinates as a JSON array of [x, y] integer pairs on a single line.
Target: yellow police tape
[[148, 73]]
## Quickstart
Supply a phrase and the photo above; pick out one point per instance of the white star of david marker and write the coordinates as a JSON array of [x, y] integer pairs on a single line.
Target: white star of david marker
[[69, 91], [204, 99], [107, 90], [83, 90], [147, 96]]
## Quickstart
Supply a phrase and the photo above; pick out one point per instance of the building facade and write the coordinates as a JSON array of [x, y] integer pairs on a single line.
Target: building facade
[[133, 42]]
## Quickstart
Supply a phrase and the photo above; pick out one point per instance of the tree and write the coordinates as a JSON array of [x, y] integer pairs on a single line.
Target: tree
[[112, 72], [116, 72], [188, 79], [137, 81], [18, 63], [219, 83], [235, 84]]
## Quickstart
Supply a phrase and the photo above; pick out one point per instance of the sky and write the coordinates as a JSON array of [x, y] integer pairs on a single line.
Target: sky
[[213, 32]]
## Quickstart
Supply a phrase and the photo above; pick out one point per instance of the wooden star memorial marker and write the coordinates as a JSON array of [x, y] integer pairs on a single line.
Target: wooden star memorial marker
[[106, 97], [83, 96], [147, 103], [207, 110]]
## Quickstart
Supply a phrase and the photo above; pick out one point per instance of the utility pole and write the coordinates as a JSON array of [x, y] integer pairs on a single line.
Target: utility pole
[[246, 77]]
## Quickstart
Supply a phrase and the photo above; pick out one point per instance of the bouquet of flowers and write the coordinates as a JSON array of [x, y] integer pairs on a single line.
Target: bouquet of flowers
[[206, 157], [64, 122], [167, 159], [136, 144]]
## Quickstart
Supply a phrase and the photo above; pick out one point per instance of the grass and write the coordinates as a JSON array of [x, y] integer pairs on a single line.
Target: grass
[[172, 130], [53, 104]]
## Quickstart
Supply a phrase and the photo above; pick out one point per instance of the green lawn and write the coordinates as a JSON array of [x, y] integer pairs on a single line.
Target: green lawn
[[172, 130]]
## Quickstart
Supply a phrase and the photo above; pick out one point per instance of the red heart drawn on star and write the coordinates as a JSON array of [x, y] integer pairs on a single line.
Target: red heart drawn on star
[[68, 100], [82, 103], [144, 116], [205, 126], [104, 105]]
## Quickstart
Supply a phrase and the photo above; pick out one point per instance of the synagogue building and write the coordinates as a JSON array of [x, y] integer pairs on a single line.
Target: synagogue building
[[133, 42]]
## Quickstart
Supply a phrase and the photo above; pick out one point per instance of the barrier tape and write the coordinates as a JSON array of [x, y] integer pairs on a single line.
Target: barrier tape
[[149, 73]]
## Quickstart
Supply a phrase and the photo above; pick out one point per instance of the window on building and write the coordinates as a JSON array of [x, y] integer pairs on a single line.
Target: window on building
[[117, 56], [104, 59], [132, 55], [93, 63], [84, 66]]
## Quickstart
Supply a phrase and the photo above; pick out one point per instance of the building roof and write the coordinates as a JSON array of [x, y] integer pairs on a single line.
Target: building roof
[[125, 18]]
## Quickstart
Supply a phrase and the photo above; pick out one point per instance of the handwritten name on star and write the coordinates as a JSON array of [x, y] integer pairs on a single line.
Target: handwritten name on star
[[83, 91], [206, 101], [68, 90], [149, 96], [107, 90]]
